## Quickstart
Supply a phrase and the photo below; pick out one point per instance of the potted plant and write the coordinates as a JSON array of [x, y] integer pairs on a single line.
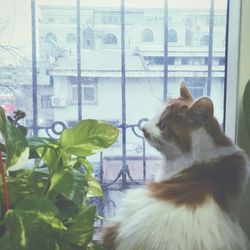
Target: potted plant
[[49, 210]]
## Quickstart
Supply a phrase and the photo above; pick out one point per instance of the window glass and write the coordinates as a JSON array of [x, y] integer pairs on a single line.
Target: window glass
[[50, 37], [71, 38], [88, 38], [172, 36], [147, 36], [109, 39], [204, 40], [123, 87]]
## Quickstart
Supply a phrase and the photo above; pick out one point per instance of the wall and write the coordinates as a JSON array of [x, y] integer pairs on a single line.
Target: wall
[[244, 74]]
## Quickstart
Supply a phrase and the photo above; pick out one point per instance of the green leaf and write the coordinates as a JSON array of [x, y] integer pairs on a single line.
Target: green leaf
[[81, 230], [246, 105], [23, 130], [86, 164], [88, 137], [48, 150], [92, 246], [68, 182], [15, 141], [33, 224], [2, 147], [94, 187], [38, 142], [66, 207], [25, 184]]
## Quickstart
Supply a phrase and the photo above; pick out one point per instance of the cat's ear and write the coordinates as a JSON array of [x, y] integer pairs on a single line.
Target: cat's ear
[[184, 92], [203, 106]]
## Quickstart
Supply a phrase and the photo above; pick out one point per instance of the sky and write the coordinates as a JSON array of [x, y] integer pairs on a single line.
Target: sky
[[15, 15]]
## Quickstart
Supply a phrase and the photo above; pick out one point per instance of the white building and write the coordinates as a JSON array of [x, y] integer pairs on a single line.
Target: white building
[[100, 45]]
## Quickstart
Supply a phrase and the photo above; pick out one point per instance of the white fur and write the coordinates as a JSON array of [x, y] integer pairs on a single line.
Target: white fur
[[149, 224]]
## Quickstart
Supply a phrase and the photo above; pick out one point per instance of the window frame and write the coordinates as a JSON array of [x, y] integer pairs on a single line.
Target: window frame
[[86, 102], [232, 69]]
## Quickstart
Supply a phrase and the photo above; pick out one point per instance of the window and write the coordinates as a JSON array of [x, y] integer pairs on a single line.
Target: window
[[172, 36], [206, 60], [88, 94], [46, 101], [112, 18], [171, 60], [51, 20], [88, 38], [204, 40], [147, 36], [159, 60], [6, 76], [196, 92], [109, 39], [71, 38], [184, 60], [202, 19], [50, 37], [104, 83], [222, 61]]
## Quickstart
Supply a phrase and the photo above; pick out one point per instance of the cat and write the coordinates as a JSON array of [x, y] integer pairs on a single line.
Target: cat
[[192, 203]]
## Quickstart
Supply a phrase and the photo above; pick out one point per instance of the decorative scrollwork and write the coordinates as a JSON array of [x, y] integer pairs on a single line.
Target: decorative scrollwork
[[56, 128]]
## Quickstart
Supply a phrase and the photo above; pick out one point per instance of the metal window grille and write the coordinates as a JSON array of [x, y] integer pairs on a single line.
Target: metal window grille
[[126, 176]]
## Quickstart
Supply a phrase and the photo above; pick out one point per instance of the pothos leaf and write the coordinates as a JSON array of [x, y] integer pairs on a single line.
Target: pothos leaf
[[81, 230], [68, 182], [88, 137], [33, 224], [94, 187], [15, 141]]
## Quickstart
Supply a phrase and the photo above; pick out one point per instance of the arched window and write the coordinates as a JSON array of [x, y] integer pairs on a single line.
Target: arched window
[[88, 38], [51, 20], [147, 36], [71, 38], [109, 39], [50, 36], [204, 40], [172, 36]]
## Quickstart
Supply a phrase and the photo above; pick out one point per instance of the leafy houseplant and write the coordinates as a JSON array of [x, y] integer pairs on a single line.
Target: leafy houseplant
[[246, 105], [49, 210]]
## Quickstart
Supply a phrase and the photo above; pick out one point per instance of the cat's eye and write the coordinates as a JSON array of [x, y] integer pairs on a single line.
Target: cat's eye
[[162, 126]]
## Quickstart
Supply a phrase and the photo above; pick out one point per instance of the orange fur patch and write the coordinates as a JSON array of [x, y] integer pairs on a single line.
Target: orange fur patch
[[108, 236], [220, 179]]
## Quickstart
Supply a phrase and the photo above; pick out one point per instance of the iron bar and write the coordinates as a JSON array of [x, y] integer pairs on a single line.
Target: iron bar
[[165, 80], [101, 168], [123, 89], [78, 43], [210, 48], [34, 67]]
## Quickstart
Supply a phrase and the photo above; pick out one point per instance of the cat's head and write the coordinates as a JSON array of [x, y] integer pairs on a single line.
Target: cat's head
[[171, 131]]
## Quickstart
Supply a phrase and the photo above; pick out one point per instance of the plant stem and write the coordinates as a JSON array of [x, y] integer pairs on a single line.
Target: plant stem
[[5, 189]]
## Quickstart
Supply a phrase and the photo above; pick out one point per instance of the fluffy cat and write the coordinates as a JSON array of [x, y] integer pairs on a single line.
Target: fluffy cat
[[192, 203]]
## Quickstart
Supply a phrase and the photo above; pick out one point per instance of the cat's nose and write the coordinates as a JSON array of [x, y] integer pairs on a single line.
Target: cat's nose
[[145, 132]]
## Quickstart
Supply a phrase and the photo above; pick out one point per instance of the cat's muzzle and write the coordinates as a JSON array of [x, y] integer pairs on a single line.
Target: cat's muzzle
[[146, 133]]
